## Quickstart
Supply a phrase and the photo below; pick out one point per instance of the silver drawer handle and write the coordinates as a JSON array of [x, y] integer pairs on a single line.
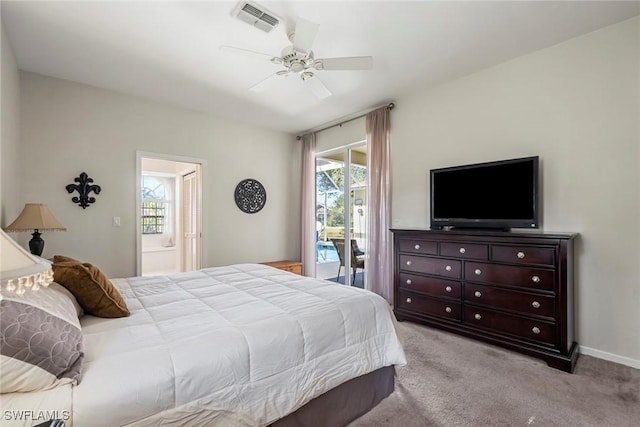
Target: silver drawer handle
[[408, 281], [409, 262], [448, 309], [478, 294], [535, 304], [478, 272], [535, 279], [535, 330], [477, 316], [520, 255], [417, 247], [462, 250], [408, 300], [448, 268], [448, 289]]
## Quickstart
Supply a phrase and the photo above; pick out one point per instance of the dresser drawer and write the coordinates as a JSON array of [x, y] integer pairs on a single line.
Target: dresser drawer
[[526, 277], [524, 254], [430, 285], [425, 247], [464, 250], [526, 303], [428, 306], [436, 266], [521, 327]]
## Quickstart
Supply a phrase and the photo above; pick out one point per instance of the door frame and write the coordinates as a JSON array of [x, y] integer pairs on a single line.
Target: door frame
[[138, 203]]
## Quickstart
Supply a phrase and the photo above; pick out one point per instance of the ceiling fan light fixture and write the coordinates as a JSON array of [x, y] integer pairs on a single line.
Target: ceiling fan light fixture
[[297, 66], [299, 58]]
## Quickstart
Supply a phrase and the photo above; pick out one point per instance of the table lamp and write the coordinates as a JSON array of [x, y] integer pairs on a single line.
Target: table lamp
[[36, 217]]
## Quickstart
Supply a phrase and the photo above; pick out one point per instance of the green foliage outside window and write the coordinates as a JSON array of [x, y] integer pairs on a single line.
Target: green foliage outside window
[[330, 187], [152, 217]]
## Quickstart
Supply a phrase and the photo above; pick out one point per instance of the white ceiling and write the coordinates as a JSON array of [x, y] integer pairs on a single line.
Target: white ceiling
[[169, 51]]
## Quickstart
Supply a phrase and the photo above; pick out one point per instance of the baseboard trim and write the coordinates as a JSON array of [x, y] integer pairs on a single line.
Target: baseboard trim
[[610, 357]]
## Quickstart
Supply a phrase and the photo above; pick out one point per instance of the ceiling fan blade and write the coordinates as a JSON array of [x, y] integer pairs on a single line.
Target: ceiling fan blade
[[274, 59], [346, 63], [265, 84], [317, 87], [304, 36]]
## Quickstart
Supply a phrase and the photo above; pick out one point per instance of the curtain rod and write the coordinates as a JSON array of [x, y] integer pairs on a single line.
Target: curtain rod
[[389, 106]]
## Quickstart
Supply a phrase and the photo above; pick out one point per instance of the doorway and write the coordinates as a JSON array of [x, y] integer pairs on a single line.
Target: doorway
[[169, 214], [341, 214]]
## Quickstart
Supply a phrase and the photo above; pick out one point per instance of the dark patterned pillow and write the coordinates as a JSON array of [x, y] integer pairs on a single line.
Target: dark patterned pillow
[[41, 342]]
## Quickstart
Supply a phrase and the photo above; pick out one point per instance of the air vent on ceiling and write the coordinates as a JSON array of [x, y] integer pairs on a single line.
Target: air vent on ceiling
[[256, 15]]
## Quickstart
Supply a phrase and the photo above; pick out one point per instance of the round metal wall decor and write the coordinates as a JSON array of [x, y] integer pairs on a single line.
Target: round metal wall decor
[[250, 196]]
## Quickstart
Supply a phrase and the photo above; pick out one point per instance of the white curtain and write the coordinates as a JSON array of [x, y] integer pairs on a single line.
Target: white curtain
[[308, 243], [379, 262], [168, 233]]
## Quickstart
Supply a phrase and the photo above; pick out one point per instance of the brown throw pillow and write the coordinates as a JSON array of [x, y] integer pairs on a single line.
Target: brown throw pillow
[[62, 258], [94, 292]]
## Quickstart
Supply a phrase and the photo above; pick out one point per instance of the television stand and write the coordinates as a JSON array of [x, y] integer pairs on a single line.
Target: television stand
[[512, 289]]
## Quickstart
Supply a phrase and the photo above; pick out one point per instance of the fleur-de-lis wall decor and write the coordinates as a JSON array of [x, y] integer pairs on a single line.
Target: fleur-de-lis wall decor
[[83, 187]]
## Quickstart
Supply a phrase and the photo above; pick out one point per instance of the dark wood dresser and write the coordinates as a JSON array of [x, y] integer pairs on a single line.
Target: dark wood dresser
[[512, 289]]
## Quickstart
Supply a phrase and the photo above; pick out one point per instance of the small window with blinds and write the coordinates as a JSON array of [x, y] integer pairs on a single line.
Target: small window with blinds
[[154, 205]]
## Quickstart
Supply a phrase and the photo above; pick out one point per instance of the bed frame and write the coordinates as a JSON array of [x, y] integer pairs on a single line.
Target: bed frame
[[345, 403], [337, 407]]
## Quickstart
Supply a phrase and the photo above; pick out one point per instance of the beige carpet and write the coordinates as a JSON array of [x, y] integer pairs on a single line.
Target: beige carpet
[[454, 381]]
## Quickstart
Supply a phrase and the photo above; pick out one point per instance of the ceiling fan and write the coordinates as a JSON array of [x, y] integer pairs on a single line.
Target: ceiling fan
[[298, 58]]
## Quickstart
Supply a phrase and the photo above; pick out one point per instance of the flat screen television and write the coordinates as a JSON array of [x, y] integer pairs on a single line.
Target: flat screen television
[[494, 195]]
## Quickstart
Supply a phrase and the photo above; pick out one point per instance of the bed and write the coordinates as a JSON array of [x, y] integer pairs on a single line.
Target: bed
[[241, 345]]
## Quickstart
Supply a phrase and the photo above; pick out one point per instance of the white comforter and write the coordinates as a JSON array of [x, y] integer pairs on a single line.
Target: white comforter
[[242, 345]]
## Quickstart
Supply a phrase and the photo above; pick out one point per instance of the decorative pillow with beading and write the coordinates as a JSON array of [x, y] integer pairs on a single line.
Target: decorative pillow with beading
[[41, 341]]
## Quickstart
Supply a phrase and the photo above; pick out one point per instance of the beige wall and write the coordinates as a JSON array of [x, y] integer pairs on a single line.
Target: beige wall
[[68, 128], [576, 105], [10, 134]]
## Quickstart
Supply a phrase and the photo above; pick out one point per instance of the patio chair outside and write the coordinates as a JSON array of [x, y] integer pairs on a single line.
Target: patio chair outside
[[357, 261]]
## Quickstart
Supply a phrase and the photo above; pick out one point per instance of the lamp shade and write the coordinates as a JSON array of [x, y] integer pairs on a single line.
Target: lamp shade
[[35, 216], [19, 269], [15, 261]]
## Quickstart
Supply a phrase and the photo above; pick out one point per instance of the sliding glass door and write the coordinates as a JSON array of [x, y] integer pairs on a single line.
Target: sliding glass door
[[341, 214]]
